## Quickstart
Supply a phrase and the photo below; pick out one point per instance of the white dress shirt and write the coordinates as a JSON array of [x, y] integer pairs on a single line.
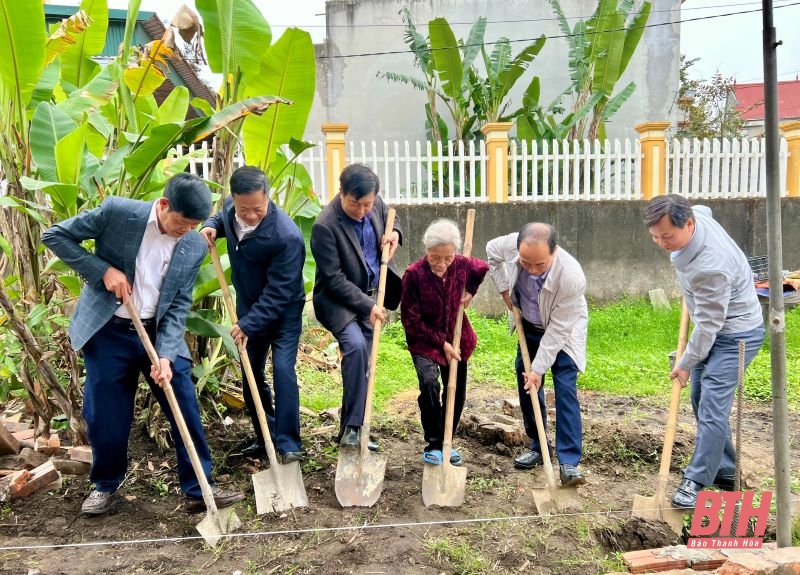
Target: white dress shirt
[[241, 228], [152, 263]]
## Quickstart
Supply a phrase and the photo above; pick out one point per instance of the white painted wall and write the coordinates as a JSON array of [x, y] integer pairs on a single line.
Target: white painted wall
[[348, 90]]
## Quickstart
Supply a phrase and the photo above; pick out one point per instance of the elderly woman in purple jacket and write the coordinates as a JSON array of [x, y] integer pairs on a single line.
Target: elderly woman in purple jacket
[[433, 288]]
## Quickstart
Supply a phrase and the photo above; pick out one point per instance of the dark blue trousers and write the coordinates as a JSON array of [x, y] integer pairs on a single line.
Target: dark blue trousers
[[114, 357], [283, 417], [355, 343], [569, 431], [713, 386]]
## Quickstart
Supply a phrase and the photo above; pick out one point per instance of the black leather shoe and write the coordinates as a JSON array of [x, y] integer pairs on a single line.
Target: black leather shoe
[[724, 482], [292, 456], [686, 494], [351, 437], [221, 498], [528, 460], [571, 476], [255, 451]]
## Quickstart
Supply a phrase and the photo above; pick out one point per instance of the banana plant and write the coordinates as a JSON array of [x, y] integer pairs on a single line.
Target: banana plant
[[490, 95], [600, 50], [236, 38], [435, 126]]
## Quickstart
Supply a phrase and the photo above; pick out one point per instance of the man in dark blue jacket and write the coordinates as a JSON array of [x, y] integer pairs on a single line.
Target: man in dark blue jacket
[[266, 252]]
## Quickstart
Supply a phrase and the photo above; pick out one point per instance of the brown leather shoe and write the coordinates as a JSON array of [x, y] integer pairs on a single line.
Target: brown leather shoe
[[221, 498]]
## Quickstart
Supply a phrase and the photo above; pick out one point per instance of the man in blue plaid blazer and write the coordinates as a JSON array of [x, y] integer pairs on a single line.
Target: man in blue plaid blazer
[[148, 252]]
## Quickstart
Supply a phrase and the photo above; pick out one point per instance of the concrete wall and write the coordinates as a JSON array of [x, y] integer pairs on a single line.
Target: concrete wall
[[608, 239], [348, 90]]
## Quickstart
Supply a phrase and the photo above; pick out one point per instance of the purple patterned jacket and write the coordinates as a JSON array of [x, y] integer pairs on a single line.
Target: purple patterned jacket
[[429, 305]]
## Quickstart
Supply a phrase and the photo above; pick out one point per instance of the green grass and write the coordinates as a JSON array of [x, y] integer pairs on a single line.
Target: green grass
[[628, 354]]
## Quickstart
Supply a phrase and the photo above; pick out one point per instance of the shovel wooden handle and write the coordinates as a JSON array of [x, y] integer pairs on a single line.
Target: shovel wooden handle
[[447, 442], [376, 335], [245, 359], [674, 404], [205, 487], [544, 448]]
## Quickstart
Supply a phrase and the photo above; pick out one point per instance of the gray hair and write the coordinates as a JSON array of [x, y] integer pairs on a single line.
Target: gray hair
[[676, 207], [442, 232]]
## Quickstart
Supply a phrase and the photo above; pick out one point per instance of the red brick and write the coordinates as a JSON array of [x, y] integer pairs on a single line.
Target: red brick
[[80, 453], [649, 561], [13, 482], [40, 477], [23, 435]]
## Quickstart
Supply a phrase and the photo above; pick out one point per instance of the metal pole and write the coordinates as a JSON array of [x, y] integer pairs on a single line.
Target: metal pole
[[777, 321]]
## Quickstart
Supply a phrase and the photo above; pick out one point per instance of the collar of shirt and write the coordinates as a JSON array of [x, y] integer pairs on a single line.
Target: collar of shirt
[[676, 253], [241, 227]]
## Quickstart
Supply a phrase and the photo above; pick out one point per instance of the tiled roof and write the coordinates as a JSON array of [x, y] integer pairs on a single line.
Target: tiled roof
[[750, 100], [191, 80]]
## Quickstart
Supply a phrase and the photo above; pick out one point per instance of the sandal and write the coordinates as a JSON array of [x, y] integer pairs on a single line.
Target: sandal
[[432, 456], [455, 458]]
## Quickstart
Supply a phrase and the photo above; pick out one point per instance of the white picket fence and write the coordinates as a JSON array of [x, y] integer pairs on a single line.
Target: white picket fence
[[576, 170], [428, 173], [729, 168]]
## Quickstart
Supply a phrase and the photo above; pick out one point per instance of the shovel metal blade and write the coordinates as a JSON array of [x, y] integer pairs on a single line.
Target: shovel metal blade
[[659, 509], [217, 523], [443, 485], [279, 488], [359, 477], [544, 501]]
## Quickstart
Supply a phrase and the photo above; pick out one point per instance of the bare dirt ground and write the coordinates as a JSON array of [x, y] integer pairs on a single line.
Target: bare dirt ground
[[496, 530]]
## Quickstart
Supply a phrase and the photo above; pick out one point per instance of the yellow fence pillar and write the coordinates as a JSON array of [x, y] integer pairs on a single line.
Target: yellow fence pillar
[[791, 132], [334, 155], [654, 158], [496, 134]]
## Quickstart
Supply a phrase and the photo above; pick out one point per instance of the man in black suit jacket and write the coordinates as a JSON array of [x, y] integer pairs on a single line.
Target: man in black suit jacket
[[346, 241]]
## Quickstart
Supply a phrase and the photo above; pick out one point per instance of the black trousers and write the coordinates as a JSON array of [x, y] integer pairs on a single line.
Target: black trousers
[[431, 407]]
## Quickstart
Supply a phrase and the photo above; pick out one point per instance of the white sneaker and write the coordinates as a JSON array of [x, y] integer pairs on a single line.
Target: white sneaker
[[98, 503]]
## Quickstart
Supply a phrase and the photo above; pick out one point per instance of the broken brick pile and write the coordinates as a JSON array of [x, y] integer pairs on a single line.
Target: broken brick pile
[[29, 464], [680, 560]]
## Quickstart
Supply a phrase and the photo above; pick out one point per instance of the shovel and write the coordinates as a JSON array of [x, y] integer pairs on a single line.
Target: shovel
[[281, 486], [658, 507], [444, 484], [217, 522], [359, 472], [552, 497]]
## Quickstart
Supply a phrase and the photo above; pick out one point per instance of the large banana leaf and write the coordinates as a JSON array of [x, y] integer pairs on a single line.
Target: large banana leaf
[[22, 24], [201, 322], [288, 70], [446, 57], [236, 35], [203, 127], [608, 42], [46, 84], [95, 94], [175, 106], [48, 126], [66, 35], [616, 102], [474, 42], [76, 63], [162, 139], [634, 34], [511, 73], [69, 155]]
